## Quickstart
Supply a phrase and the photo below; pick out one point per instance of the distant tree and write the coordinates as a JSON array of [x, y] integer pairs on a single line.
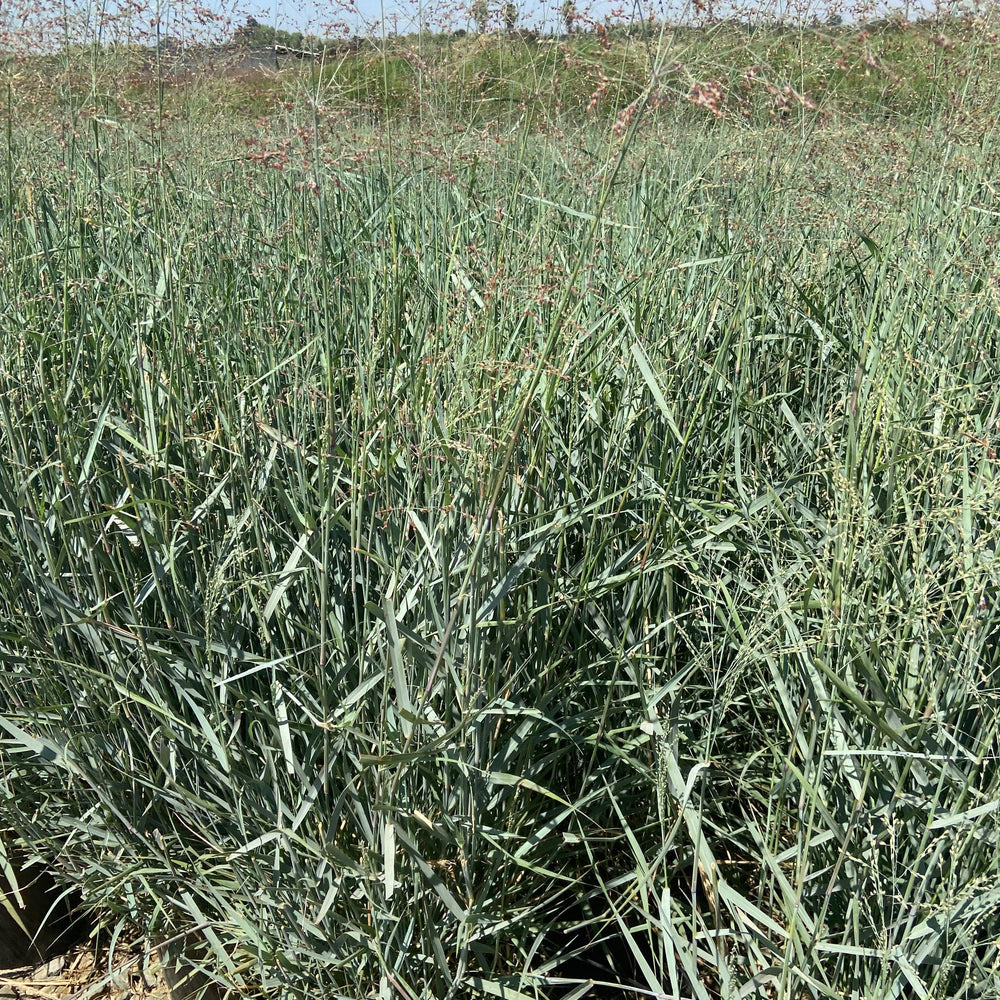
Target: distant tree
[[509, 17], [244, 35], [290, 39], [569, 15], [480, 13], [261, 36]]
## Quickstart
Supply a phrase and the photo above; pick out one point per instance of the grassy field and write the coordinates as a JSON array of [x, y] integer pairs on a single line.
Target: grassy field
[[457, 543]]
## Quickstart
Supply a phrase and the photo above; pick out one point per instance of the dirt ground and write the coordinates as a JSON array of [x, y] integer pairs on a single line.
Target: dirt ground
[[83, 973]]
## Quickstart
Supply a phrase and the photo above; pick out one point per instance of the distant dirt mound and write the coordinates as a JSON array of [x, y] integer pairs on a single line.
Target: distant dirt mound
[[228, 61]]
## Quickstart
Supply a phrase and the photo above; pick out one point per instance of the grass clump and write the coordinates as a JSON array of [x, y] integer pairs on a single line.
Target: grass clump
[[483, 563]]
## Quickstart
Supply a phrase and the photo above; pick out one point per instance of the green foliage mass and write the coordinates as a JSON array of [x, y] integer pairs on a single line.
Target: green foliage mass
[[449, 562], [935, 73]]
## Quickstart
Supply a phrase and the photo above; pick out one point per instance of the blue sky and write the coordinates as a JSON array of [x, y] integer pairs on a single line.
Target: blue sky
[[404, 16], [215, 20]]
